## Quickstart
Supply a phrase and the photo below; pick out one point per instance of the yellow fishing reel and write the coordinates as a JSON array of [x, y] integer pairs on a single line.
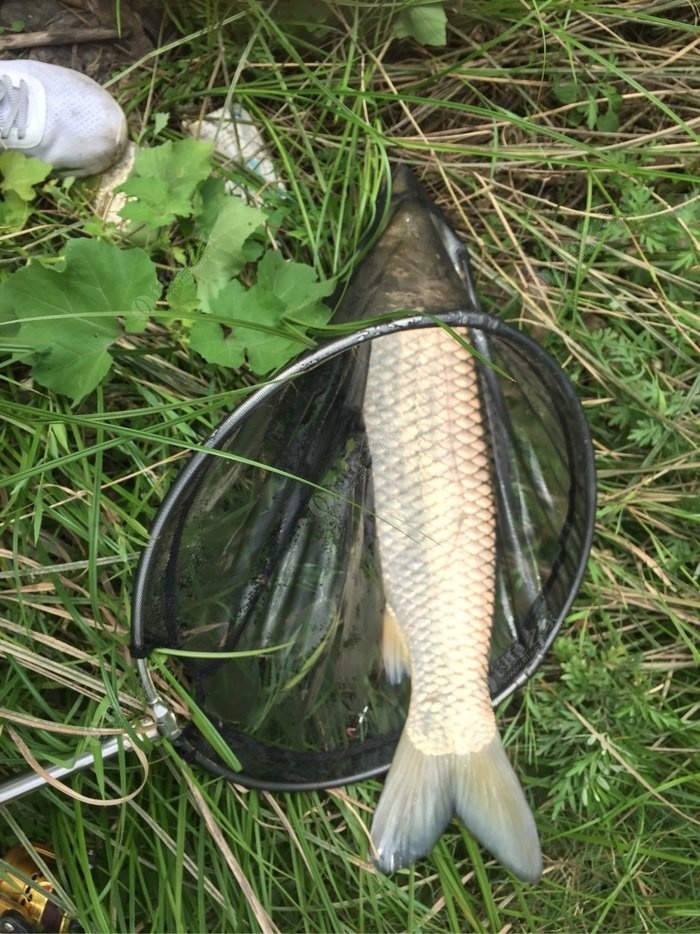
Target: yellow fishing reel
[[25, 903]]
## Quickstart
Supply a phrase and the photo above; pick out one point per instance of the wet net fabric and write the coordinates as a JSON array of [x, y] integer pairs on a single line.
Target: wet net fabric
[[264, 557]]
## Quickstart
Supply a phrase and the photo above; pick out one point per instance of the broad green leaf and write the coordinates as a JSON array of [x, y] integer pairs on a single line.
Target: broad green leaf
[[426, 23], [216, 345], [164, 181], [20, 173], [608, 122], [232, 345], [227, 251], [566, 91], [182, 294], [153, 206], [284, 302], [65, 319], [295, 283], [73, 370], [211, 197], [14, 212], [160, 121]]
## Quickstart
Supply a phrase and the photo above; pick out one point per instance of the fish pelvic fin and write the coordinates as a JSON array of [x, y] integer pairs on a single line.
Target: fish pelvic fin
[[422, 793], [395, 654]]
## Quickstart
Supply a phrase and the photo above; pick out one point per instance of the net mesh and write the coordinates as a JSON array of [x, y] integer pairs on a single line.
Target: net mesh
[[268, 546]]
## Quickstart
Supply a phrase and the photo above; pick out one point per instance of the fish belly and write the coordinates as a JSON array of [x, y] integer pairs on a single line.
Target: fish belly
[[436, 529]]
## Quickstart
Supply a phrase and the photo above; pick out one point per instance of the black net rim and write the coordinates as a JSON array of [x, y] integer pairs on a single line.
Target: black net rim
[[476, 321]]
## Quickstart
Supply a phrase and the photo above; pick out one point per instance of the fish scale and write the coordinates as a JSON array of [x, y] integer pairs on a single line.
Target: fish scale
[[432, 480], [436, 528]]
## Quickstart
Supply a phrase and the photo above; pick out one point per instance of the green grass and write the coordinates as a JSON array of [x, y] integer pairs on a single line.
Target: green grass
[[562, 142]]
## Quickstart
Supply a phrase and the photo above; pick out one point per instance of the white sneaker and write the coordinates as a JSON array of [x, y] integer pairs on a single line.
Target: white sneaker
[[59, 116]]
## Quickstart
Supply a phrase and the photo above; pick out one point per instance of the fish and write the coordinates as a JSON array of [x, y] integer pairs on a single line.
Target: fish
[[436, 527]]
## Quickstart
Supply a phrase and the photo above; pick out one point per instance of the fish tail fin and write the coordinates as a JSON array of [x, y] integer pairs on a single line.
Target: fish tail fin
[[422, 792]]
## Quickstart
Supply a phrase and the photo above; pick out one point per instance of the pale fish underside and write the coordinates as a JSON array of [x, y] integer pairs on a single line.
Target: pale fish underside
[[436, 528]]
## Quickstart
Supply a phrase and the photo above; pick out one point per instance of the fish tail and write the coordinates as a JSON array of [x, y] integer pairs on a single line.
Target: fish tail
[[422, 792]]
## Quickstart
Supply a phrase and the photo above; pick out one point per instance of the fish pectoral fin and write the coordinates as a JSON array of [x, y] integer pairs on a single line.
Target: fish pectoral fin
[[397, 659], [422, 793]]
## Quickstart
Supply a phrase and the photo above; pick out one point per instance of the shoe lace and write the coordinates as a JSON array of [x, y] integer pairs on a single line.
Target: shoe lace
[[14, 113]]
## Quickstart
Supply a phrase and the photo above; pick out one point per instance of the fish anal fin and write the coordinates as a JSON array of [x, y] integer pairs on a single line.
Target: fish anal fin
[[422, 792], [397, 660]]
